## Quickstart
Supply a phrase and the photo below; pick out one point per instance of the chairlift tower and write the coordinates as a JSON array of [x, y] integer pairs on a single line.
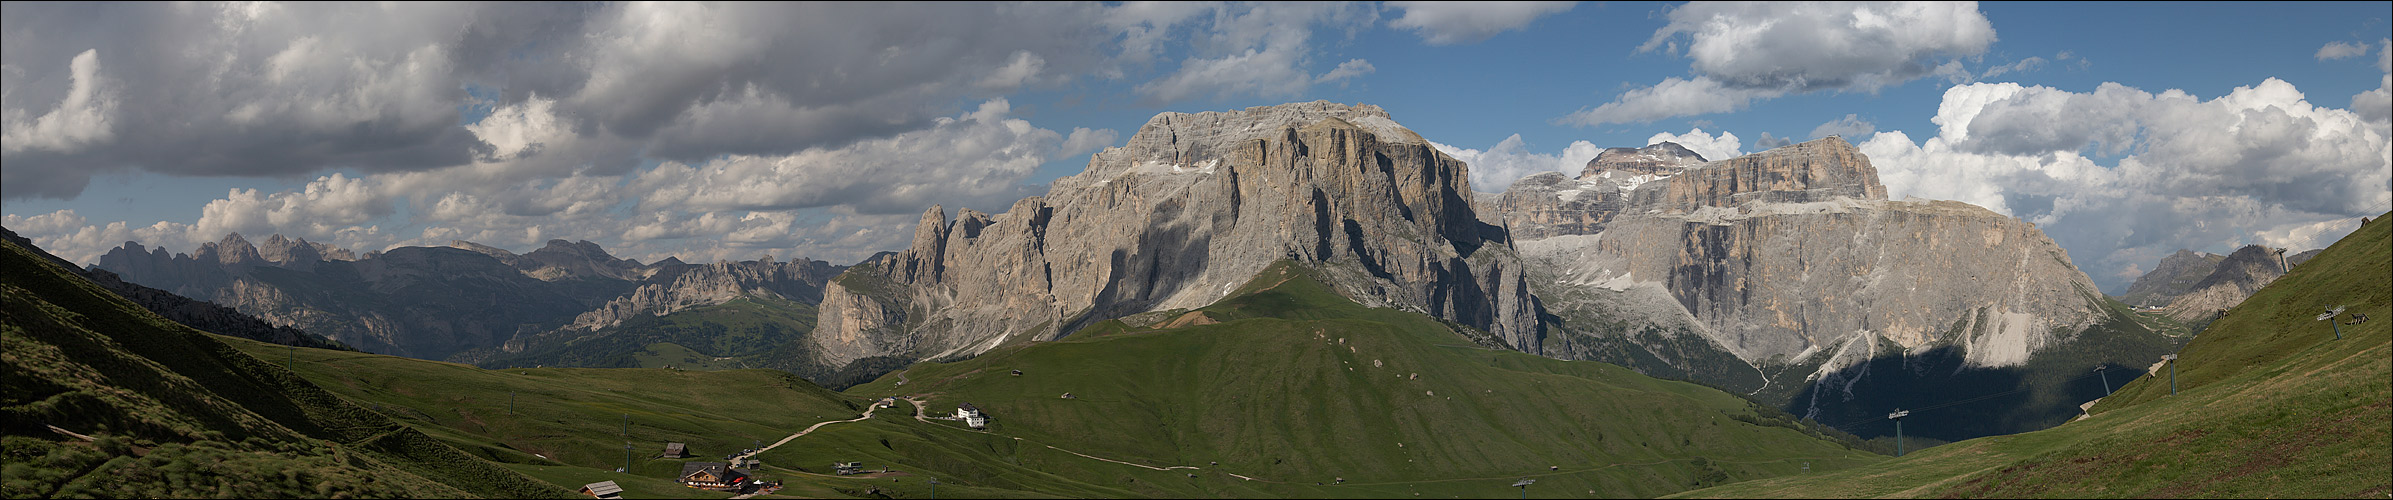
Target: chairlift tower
[[2329, 317], [934, 488], [1523, 484], [1897, 416], [2105, 379], [2171, 359]]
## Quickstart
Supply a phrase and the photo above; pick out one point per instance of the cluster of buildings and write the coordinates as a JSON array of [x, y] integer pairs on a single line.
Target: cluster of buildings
[[730, 476]]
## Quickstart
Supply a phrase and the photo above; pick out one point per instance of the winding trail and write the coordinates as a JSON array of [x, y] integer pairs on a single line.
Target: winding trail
[[868, 409]]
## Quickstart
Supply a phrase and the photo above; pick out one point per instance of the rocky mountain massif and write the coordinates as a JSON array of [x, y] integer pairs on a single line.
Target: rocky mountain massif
[[2175, 275], [1789, 275], [464, 302], [197, 314], [1193, 206], [2231, 280]]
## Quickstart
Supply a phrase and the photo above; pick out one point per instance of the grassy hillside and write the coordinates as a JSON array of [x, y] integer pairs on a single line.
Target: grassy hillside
[[1291, 385], [750, 332], [575, 416], [105, 399], [2268, 404]]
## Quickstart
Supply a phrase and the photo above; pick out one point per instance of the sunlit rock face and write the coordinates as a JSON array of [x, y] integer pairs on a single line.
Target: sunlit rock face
[[1785, 254], [1192, 207]]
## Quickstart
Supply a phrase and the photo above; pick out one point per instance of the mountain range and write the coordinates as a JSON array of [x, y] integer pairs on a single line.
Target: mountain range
[[1299, 293], [1786, 275], [465, 302]]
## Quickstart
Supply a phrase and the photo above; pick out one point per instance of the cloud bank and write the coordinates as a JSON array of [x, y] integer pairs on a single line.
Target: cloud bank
[[1743, 52], [818, 129], [2258, 165]]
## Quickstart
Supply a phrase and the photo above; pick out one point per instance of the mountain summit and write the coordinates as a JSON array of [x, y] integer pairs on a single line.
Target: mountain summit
[[1193, 206], [1788, 273]]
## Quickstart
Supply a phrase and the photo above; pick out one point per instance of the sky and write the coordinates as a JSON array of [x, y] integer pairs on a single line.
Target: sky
[[735, 131]]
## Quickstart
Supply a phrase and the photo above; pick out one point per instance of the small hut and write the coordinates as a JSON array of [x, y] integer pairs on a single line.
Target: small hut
[[675, 450], [603, 489]]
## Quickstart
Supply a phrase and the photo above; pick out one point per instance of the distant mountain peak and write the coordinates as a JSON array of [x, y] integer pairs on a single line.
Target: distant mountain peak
[[1661, 158]]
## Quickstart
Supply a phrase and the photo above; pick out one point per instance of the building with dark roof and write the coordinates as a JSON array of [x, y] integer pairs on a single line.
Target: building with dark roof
[[717, 476]]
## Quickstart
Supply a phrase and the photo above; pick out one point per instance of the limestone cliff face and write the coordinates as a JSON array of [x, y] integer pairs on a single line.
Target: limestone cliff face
[[1547, 204], [1819, 170], [1785, 254], [1191, 207], [1774, 286], [2235, 278]]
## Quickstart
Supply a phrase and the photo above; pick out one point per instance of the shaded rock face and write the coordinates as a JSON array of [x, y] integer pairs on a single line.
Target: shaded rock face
[[1782, 255], [2175, 276], [562, 259], [2235, 278], [439, 302], [1193, 206]]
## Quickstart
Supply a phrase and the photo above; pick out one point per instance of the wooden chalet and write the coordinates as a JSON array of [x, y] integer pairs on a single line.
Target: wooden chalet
[[717, 476], [675, 450], [603, 489]]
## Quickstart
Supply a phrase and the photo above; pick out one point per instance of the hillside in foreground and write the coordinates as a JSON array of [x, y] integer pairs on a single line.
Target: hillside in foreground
[[106, 399], [2268, 403]]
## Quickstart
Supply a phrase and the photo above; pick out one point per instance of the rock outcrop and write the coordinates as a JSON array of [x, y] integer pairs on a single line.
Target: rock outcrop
[[1782, 254], [1547, 204], [2173, 277], [462, 302], [1789, 275], [424, 302], [2233, 279], [1193, 206], [690, 287], [198, 314], [561, 260]]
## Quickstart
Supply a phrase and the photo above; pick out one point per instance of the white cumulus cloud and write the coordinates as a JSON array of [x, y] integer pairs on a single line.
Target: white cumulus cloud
[[1495, 169], [1740, 52], [2258, 165], [1713, 148], [1448, 23], [2340, 50]]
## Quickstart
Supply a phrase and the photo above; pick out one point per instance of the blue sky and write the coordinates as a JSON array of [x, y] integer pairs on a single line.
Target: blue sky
[[740, 130]]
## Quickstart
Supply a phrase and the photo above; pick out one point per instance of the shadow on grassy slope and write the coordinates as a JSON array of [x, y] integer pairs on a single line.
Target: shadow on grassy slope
[[2268, 404]]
